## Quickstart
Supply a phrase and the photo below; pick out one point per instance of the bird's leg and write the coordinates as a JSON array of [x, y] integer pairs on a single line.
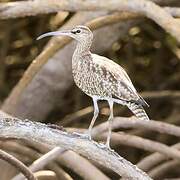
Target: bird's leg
[[96, 112], [110, 119]]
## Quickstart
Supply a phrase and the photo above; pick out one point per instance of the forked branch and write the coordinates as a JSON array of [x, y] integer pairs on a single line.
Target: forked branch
[[11, 127]]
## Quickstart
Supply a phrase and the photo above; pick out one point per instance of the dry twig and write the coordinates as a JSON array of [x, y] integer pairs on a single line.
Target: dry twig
[[18, 164], [42, 161], [46, 175]]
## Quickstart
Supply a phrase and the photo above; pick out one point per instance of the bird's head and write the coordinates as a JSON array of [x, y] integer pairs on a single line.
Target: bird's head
[[80, 33]]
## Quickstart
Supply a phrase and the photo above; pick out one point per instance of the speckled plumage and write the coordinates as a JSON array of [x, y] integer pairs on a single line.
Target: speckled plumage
[[101, 78], [98, 76]]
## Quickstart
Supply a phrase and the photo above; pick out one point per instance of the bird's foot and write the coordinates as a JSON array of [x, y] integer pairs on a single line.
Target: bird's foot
[[88, 135], [105, 147], [108, 146], [83, 135]]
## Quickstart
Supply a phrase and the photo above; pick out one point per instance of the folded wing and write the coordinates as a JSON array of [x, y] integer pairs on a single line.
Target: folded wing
[[122, 88]]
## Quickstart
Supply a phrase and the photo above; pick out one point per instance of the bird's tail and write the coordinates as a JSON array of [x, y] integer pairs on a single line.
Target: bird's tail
[[138, 111]]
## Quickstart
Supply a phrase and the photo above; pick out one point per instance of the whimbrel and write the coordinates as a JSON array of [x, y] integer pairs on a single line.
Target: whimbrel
[[101, 78]]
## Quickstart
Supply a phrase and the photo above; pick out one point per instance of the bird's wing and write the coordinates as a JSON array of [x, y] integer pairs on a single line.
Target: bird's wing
[[125, 89]]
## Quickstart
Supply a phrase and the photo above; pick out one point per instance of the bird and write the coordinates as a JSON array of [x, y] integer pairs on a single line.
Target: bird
[[101, 78]]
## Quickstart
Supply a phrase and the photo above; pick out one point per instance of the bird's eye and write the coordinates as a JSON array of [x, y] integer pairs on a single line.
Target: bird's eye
[[78, 31]]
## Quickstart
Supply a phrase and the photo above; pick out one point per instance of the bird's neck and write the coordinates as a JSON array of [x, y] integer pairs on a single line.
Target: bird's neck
[[82, 48]]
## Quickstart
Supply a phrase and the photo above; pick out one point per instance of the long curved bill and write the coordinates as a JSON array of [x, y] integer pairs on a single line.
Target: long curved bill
[[55, 33]]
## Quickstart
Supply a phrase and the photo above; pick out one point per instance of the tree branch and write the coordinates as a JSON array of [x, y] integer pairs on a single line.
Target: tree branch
[[41, 133], [147, 8], [18, 164], [164, 168], [152, 160], [142, 143], [174, 11], [166, 94], [55, 153], [133, 122], [138, 142], [42, 161], [68, 159], [32, 154], [46, 174]]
